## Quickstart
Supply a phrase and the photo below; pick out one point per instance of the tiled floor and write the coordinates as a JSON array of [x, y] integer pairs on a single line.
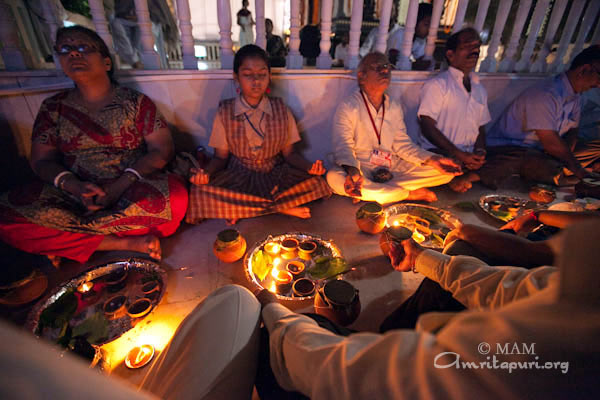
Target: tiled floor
[[193, 271]]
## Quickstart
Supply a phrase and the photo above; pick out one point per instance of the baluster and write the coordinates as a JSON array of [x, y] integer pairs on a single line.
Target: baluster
[[294, 58], [261, 36], [567, 33], [149, 56], [101, 24], [489, 64], [586, 25], [225, 43], [460, 15], [508, 62], [384, 25], [9, 37], [187, 39], [404, 62], [52, 21], [324, 58], [438, 6], [534, 28], [354, 37], [596, 36], [481, 14], [558, 10]]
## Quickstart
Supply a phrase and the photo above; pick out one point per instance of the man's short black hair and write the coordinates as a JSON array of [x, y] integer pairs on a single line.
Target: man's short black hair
[[587, 56], [454, 40]]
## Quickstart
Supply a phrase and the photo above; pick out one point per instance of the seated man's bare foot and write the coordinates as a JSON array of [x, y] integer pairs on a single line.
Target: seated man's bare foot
[[55, 260], [462, 183], [422, 194], [300, 212], [232, 221]]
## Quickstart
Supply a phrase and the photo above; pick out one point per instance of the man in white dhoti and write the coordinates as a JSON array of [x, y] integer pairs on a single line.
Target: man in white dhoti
[[376, 159]]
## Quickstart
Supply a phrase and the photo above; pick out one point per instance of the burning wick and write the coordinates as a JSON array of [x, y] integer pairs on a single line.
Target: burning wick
[[396, 223], [419, 238], [85, 287], [272, 248], [139, 356]]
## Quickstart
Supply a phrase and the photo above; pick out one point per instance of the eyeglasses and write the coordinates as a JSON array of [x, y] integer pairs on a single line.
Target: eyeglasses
[[80, 48], [379, 68]]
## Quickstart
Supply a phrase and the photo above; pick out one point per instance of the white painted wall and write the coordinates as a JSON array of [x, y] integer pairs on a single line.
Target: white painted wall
[[189, 100]]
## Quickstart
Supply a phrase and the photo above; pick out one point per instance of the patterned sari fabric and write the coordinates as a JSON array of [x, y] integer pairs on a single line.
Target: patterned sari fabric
[[254, 183], [97, 148]]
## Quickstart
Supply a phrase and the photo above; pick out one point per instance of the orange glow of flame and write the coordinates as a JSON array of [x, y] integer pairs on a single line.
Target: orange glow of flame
[[139, 356], [85, 287], [272, 288], [396, 223], [272, 248], [419, 238]]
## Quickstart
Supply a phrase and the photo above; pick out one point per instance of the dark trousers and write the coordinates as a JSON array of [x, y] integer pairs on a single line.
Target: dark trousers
[[266, 384]]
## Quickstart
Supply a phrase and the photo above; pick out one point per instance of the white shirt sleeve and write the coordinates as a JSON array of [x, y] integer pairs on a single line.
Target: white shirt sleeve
[[369, 42], [431, 99], [344, 126]]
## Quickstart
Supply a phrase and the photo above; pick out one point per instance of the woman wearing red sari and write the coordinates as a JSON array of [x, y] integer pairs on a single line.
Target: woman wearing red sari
[[98, 150]]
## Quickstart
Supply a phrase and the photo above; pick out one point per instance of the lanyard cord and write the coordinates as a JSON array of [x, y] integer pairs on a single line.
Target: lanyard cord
[[259, 133], [377, 132]]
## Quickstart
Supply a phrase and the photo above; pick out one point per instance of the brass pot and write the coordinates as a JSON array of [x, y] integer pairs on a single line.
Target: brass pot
[[370, 218], [338, 301], [230, 246], [394, 234]]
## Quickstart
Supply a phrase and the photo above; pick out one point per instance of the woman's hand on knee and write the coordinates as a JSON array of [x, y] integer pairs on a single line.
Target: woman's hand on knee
[[199, 176]]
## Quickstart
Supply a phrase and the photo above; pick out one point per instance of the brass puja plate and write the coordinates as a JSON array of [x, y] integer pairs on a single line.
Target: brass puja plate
[[317, 261], [506, 208], [430, 225], [87, 312]]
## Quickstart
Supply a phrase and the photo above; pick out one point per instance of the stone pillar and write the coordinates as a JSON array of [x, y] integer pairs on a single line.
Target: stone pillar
[[149, 56], [508, 62], [261, 35], [558, 10], [324, 58], [586, 25], [384, 24], [187, 39], [9, 37], [481, 14], [489, 64], [294, 58], [225, 43], [52, 21], [101, 24], [404, 62], [354, 36], [460, 15], [438, 7], [534, 28]]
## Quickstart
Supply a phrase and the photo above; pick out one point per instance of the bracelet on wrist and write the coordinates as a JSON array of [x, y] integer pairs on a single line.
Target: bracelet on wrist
[[134, 172], [60, 178]]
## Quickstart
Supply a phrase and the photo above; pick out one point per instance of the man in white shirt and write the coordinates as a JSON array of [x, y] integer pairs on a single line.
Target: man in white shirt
[[528, 333], [396, 36], [369, 136], [537, 134], [453, 110]]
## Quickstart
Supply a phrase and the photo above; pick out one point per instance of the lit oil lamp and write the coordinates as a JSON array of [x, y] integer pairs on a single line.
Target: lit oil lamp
[[283, 281], [272, 248], [296, 268], [139, 356], [86, 289], [289, 247], [419, 238]]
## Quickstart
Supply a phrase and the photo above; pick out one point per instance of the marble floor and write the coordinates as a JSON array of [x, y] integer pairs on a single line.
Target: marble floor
[[193, 271]]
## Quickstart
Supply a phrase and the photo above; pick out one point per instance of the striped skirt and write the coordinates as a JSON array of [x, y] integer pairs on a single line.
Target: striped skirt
[[242, 192]]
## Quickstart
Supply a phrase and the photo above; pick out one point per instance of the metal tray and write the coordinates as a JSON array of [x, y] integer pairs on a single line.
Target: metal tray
[[136, 268], [329, 249], [448, 220], [523, 206]]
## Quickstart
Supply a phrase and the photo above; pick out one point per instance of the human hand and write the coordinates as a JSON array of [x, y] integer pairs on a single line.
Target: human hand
[[265, 297], [199, 176], [452, 236], [524, 223], [317, 168], [353, 184], [404, 255], [86, 192], [444, 165], [471, 160], [113, 192]]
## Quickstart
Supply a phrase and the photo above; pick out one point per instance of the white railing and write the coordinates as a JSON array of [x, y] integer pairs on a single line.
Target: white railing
[[530, 42]]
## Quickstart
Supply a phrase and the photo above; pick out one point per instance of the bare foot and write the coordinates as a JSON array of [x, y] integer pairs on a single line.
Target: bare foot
[[232, 221], [147, 244], [422, 194], [463, 183], [55, 260], [300, 212]]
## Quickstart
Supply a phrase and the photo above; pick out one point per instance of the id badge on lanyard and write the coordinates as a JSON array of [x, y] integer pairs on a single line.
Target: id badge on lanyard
[[381, 158]]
